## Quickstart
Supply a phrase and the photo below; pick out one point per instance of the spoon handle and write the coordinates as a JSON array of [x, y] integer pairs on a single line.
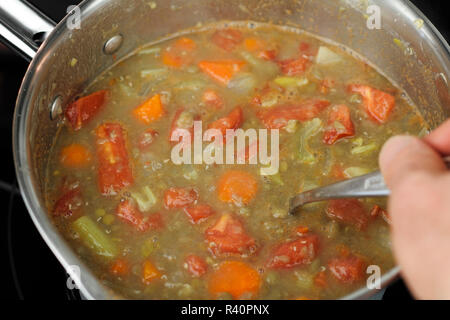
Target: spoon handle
[[366, 186]]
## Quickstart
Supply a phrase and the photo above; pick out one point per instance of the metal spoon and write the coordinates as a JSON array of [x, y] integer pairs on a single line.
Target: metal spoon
[[366, 186]]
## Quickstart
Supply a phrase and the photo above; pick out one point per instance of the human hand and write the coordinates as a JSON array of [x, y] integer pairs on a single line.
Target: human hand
[[419, 207]]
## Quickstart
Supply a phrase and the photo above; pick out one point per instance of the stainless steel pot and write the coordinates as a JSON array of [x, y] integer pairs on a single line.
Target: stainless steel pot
[[407, 48]]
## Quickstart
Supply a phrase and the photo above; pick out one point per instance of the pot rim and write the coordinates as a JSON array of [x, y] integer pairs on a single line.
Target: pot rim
[[22, 154]]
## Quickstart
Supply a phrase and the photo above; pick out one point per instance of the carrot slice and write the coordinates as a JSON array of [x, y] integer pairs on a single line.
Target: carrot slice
[[221, 71], [114, 170], [254, 44], [378, 104], [179, 54], [150, 110], [84, 109], [238, 187], [75, 156], [235, 278], [120, 267], [150, 272]]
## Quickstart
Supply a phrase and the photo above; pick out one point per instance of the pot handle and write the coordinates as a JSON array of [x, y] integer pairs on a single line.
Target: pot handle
[[23, 28]]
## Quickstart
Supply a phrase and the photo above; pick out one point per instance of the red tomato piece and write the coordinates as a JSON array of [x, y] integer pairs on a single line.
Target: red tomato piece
[[212, 99], [269, 55], [278, 117], [195, 265], [69, 203], [147, 138], [176, 198], [130, 214], [81, 111], [349, 269], [199, 213], [348, 211], [114, 170], [227, 39], [228, 237], [378, 104], [294, 253], [378, 211], [340, 125], [294, 67], [231, 122]]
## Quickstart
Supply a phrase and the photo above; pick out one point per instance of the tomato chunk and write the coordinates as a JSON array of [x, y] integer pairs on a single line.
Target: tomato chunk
[[130, 214], [212, 99], [378, 211], [231, 122], [114, 170], [199, 213], [195, 265], [294, 67], [84, 109], [378, 104], [340, 124], [349, 269], [183, 120], [348, 211], [176, 198], [227, 39], [69, 203], [147, 138], [228, 237], [278, 117], [294, 253]]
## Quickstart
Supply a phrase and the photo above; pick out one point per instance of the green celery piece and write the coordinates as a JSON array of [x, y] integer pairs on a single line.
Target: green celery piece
[[93, 237]]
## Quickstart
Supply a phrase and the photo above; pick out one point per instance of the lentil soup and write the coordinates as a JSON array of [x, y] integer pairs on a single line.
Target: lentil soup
[[151, 229]]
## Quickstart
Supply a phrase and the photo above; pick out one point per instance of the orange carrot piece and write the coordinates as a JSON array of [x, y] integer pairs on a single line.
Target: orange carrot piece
[[221, 71], [150, 272], [238, 187], [75, 156], [254, 44], [179, 54], [235, 278], [150, 110], [120, 267]]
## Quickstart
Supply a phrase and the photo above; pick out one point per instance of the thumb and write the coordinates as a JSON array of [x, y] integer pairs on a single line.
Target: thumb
[[403, 155]]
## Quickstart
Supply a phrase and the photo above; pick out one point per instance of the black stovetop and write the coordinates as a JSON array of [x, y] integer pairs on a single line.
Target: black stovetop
[[31, 271]]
